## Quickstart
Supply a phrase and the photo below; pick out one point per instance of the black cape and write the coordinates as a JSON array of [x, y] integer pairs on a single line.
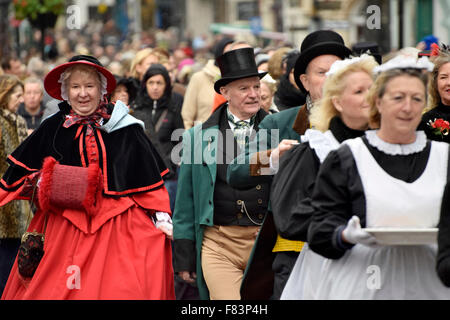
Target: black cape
[[127, 158]]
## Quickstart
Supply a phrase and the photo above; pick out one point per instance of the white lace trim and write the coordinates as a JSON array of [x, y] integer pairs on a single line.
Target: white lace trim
[[403, 62], [341, 64], [397, 149], [322, 143]]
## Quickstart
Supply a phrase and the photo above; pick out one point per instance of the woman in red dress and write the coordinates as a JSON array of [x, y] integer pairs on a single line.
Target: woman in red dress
[[107, 227]]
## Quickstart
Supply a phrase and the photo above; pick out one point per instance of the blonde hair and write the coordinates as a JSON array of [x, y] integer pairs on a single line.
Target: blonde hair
[[439, 61], [378, 89], [334, 85], [276, 62], [140, 55], [160, 53], [8, 83]]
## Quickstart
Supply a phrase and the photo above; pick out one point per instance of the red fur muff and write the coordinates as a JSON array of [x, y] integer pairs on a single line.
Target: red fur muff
[[73, 187]]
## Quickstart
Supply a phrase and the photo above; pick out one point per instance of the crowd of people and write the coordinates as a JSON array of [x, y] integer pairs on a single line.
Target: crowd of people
[[134, 170]]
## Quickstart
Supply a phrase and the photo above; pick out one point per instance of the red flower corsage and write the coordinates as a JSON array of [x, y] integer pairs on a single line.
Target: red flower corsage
[[439, 126]]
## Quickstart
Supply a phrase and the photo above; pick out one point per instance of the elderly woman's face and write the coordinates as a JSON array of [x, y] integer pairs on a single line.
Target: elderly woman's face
[[266, 96], [351, 104], [443, 83], [401, 105], [15, 99], [84, 92]]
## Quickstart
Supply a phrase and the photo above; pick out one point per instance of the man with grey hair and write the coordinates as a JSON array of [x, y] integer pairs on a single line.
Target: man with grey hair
[[32, 109]]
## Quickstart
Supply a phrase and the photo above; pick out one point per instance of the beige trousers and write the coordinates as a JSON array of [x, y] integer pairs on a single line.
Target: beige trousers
[[225, 253]]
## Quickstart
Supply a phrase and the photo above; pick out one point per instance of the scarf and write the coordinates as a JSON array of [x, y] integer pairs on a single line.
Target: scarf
[[242, 129], [91, 121]]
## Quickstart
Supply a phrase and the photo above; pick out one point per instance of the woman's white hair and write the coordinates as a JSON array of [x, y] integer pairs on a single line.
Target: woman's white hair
[[66, 75]]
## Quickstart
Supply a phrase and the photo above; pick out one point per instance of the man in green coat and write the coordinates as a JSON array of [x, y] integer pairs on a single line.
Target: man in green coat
[[278, 133], [215, 225]]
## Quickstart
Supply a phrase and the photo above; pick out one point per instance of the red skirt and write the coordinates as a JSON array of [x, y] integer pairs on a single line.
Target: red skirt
[[118, 254]]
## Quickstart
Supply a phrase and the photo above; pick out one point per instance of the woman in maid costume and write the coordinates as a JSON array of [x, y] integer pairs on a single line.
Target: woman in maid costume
[[392, 177]]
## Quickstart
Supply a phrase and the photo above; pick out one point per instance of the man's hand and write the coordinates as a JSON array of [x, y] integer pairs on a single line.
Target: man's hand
[[276, 154], [189, 277]]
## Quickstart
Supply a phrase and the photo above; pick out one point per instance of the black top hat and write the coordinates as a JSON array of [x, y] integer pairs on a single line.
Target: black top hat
[[236, 64], [315, 44], [369, 48]]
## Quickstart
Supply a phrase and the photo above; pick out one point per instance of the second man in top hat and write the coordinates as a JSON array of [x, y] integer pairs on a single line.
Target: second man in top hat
[[319, 50]]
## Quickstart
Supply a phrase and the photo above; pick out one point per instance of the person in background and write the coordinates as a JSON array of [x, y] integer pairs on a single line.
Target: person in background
[[199, 96], [268, 88], [12, 65], [368, 47], [124, 91], [436, 121], [277, 63], [32, 108], [160, 110], [288, 94], [13, 131], [142, 61], [262, 61]]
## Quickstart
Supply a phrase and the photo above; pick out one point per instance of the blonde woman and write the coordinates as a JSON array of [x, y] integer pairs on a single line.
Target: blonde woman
[[13, 130], [343, 113], [439, 98], [393, 177]]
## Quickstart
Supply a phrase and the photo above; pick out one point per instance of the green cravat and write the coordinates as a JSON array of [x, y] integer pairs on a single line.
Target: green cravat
[[242, 129]]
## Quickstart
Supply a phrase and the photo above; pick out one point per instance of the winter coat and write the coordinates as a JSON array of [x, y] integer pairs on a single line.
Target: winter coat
[[161, 117], [199, 96]]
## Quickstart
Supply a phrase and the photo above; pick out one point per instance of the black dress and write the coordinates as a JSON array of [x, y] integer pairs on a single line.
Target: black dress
[[332, 269], [293, 185]]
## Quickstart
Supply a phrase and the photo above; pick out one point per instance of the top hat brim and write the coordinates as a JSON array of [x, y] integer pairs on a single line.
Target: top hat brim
[[323, 48], [226, 80], [53, 87]]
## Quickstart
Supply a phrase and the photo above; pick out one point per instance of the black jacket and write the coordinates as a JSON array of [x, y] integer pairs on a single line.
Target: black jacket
[[168, 109]]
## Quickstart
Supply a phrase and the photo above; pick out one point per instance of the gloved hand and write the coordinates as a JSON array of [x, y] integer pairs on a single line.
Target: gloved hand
[[163, 222], [354, 234]]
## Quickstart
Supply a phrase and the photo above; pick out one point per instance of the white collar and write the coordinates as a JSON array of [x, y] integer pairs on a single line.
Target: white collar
[[120, 118], [397, 149]]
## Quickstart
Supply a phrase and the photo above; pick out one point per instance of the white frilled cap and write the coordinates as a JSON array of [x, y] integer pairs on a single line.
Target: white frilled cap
[[267, 78], [405, 62], [341, 64]]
